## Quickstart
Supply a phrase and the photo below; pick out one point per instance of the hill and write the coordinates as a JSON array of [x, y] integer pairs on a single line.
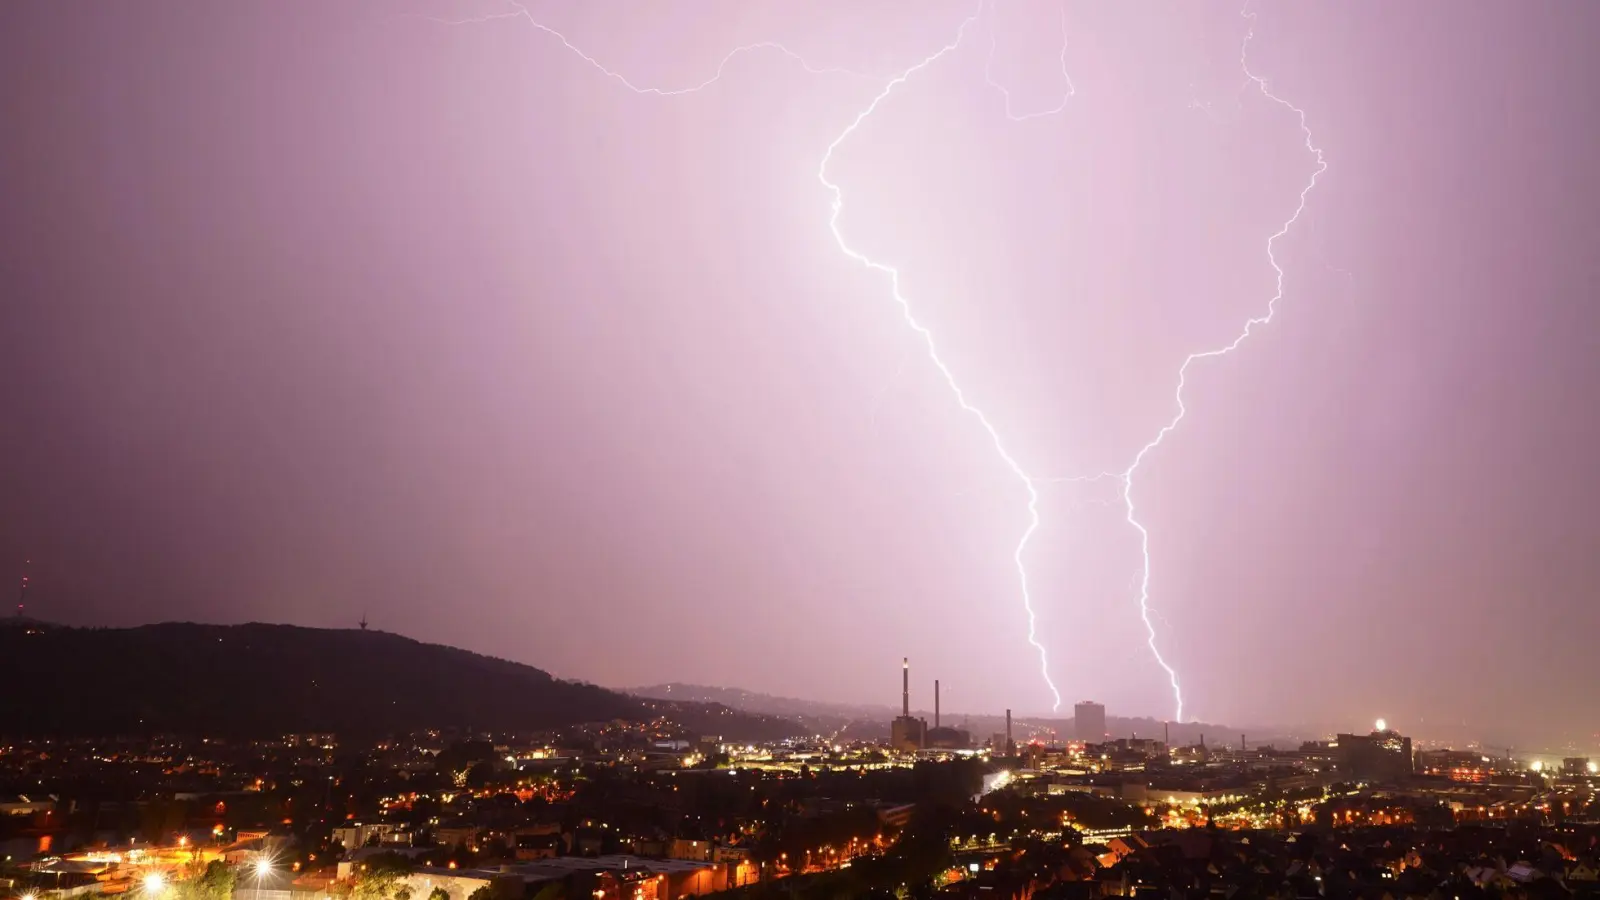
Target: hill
[[253, 680]]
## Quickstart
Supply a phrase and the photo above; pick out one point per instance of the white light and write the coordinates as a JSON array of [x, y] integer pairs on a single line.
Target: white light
[[971, 867], [1382, 725], [263, 868], [1594, 767], [153, 882]]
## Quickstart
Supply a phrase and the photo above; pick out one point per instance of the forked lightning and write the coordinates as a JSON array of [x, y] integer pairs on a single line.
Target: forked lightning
[[836, 193]]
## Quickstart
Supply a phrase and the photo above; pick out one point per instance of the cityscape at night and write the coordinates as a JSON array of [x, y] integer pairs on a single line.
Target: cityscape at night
[[646, 808], [651, 449]]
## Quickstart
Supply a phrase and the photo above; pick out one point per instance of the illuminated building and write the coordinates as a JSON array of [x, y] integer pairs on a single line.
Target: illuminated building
[[357, 835], [1457, 765], [1089, 722], [1383, 754]]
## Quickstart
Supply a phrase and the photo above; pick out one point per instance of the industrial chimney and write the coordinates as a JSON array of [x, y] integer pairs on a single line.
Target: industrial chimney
[[1010, 744], [905, 687], [936, 703]]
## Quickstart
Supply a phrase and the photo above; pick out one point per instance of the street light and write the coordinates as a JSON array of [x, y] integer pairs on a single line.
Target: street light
[[153, 883], [262, 869]]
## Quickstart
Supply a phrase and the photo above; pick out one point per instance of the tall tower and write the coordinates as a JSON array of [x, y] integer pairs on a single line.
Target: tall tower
[[906, 734], [936, 703], [905, 687]]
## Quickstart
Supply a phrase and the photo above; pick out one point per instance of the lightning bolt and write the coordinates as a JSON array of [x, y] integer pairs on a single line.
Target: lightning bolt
[[837, 207], [1125, 478], [1183, 371], [988, 73], [521, 12], [1019, 555]]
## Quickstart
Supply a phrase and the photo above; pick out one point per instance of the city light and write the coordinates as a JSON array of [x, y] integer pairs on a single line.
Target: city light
[[1382, 726], [263, 868], [154, 882]]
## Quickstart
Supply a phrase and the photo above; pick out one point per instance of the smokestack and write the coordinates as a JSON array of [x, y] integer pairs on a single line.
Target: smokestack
[[1009, 743], [905, 687], [1166, 733], [1241, 742], [936, 703]]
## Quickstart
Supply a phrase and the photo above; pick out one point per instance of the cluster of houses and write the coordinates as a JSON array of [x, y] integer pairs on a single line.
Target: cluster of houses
[[1381, 863]]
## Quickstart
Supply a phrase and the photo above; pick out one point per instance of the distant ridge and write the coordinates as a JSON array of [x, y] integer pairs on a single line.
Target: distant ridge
[[260, 680], [751, 701], [871, 721]]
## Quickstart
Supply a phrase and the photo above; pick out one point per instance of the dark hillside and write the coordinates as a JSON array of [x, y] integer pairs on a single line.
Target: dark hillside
[[255, 679]]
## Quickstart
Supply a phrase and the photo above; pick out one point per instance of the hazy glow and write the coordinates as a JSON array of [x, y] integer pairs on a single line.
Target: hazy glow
[[1381, 725], [464, 328]]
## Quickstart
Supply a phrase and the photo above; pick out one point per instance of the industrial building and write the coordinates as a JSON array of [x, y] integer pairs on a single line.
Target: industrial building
[[905, 733], [909, 734], [942, 738]]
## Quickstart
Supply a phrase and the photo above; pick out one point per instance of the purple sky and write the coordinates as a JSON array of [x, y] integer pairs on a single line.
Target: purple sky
[[314, 309]]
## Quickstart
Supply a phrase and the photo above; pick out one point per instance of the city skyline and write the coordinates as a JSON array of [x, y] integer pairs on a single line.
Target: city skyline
[[327, 314]]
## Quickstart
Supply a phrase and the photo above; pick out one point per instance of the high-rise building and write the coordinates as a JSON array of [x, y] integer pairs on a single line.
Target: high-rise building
[[1089, 721], [1380, 756]]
